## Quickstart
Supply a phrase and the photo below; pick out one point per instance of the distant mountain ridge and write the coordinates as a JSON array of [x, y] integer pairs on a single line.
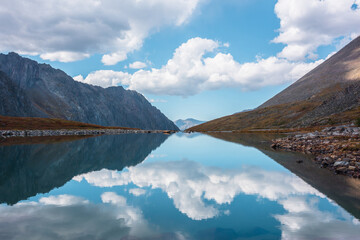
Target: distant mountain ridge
[[30, 89], [187, 123], [327, 95]]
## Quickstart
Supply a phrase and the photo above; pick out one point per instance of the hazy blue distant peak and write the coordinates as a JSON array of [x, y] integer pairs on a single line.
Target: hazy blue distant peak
[[187, 123]]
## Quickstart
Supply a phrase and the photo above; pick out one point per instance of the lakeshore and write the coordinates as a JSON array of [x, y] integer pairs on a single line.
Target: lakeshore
[[334, 148], [74, 132]]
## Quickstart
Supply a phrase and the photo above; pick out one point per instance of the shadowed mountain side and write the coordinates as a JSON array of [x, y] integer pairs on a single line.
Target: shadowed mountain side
[[327, 95], [27, 170], [344, 191], [14, 100], [38, 90]]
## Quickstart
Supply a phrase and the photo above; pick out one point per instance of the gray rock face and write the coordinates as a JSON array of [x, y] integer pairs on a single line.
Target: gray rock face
[[14, 101], [38, 90]]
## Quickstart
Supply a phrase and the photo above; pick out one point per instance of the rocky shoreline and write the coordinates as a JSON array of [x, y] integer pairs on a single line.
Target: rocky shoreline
[[74, 132], [335, 148]]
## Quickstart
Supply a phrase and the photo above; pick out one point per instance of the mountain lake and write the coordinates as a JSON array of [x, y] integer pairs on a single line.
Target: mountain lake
[[180, 186]]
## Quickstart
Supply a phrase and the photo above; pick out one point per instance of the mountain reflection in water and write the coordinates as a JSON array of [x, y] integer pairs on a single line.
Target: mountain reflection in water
[[26, 170], [189, 188]]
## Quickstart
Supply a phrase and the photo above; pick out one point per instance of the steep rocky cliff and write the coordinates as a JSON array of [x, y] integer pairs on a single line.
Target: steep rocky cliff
[[38, 90]]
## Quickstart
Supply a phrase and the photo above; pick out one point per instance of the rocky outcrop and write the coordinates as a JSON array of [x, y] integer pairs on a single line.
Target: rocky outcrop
[[334, 148], [13, 100], [38, 90]]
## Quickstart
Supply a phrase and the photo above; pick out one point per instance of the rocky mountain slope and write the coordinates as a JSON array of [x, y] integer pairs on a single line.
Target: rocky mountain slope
[[329, 94], [187, 123], [340, 70], [29, 89], [14, 100]]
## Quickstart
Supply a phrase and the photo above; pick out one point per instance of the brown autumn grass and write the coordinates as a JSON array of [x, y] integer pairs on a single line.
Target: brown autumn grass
[[283, 130], [283, 117], [276, 120], [347, 116], [276, 117], [29, 123]]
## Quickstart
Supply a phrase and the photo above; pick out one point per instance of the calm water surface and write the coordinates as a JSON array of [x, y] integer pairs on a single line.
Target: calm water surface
[[154, 186]]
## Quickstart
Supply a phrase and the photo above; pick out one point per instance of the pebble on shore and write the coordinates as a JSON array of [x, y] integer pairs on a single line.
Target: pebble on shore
[[334, 148]]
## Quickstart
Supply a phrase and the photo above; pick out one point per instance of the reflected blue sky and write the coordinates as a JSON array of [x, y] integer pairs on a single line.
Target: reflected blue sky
[[210, 151], [191, 187]]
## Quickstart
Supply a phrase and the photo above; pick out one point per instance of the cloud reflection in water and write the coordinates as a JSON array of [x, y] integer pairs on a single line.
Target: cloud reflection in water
[[198, 190], [189, 183]]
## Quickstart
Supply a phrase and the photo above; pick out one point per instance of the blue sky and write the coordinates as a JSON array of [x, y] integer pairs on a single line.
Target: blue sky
[[194, 58]]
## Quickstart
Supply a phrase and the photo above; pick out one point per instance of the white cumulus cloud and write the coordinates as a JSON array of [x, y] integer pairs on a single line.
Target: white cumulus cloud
[[62, 200], [63, 56], [137, 65], [137, 191], [307, 24], [70, 30], [191, 71], [105, 78]]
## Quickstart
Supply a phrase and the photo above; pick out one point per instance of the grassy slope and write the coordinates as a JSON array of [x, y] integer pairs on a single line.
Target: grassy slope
[[277, 117], [266, 118], [302, 114], [27, 123], [327, 95]]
